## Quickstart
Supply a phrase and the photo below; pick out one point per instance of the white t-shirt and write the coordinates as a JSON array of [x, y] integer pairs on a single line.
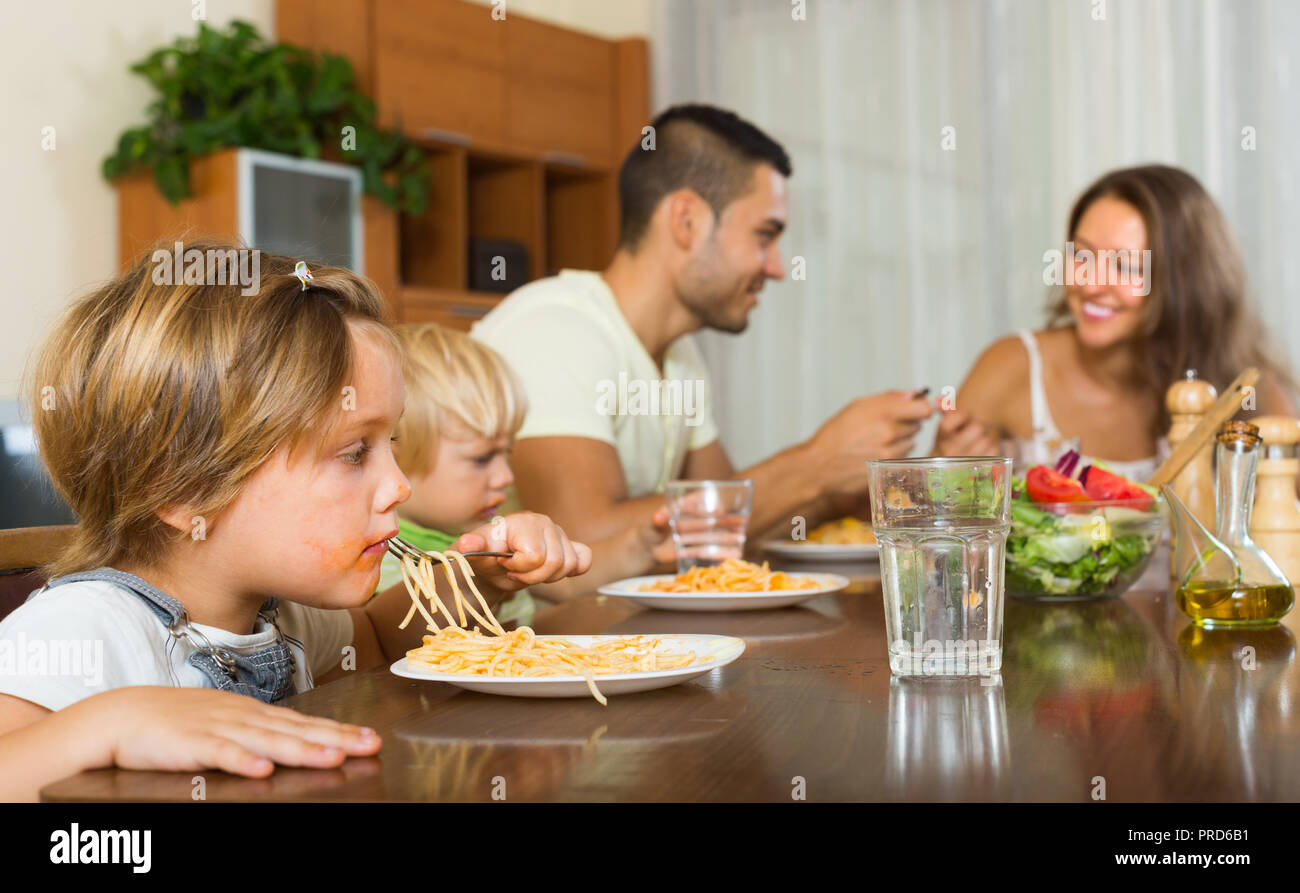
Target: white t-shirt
[[586, 374], [80, 639]]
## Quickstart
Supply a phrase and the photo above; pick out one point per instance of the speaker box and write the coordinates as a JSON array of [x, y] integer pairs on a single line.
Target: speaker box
[[497, 265]]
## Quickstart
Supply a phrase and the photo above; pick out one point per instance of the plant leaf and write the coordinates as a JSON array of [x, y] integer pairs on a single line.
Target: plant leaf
[[231, 87]]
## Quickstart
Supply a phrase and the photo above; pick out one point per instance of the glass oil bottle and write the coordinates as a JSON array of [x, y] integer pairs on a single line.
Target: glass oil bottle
[[1229, 580]]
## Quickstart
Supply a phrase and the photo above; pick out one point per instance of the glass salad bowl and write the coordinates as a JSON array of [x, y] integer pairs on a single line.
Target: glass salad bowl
[[1064, 551]]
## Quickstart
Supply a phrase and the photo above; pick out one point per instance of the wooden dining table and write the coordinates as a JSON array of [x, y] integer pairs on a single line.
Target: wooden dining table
[[1119, 699]]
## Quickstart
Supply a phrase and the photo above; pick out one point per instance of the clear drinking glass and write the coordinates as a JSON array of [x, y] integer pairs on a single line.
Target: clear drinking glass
[[942, 524], [708, 520]]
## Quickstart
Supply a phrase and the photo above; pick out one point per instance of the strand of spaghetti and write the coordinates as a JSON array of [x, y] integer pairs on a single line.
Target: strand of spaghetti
[[410, 590], [468, 573], [455, 588], [411, 566], [420, 574], [423, 569], [595, 692], [424, 574], [430, 584], [463, 605], [451, 581], [408, 573], [492, 622]]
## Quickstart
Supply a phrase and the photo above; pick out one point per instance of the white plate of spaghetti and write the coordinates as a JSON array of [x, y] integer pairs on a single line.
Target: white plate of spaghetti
[[733, 585], [539, 666], [524, 664]]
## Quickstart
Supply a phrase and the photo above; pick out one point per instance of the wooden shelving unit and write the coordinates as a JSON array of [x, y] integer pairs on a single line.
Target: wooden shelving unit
[[581, 217], [565, 215], [524, 125]]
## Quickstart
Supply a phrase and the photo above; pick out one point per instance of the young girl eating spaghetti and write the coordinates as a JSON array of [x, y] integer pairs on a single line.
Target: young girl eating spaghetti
[[230, 463]]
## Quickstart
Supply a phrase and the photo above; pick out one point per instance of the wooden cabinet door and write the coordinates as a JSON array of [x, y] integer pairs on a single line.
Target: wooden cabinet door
[[440, 68], [560, 91]]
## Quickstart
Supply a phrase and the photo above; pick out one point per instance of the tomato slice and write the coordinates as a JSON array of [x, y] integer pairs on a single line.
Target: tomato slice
[[1046, 484], [1105, 486]]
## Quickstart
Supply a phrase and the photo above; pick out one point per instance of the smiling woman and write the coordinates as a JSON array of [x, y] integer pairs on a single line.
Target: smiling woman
[[1152, 285], [1190, 309]]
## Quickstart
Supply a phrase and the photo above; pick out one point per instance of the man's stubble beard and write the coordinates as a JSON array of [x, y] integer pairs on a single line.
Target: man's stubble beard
[[699, 298]]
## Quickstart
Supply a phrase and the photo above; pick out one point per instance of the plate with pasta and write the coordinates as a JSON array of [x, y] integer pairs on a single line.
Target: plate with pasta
[[733, 585], [845, 539], [536, 666], [486, 657]]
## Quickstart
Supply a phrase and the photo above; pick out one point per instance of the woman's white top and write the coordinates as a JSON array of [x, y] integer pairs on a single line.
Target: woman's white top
[[1048, 443]]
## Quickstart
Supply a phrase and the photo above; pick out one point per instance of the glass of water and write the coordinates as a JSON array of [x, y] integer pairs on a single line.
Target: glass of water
[[942, 524], [708, 520]]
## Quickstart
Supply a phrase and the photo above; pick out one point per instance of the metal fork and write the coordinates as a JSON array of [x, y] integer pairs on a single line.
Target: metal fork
[[402, 549]]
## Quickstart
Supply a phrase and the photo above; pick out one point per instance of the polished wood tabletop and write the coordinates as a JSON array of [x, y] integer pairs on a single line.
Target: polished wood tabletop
[[1122, 698]]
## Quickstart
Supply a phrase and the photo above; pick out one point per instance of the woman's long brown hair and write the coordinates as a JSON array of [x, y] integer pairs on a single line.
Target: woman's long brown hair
[[1198, 314]]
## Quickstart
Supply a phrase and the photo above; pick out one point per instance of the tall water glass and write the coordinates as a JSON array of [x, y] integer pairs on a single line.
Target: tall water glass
[[708, 520], [942, 524]]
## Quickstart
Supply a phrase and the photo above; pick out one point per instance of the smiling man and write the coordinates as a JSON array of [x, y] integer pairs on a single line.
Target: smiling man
[[619, 395]]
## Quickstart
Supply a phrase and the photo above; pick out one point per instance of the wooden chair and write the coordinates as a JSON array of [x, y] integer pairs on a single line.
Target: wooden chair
[[22, 552]]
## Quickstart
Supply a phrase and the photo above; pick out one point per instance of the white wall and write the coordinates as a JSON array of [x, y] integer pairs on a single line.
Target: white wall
[[64, 65]]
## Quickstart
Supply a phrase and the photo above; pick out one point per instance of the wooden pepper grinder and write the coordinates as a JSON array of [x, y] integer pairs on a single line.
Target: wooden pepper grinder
[[1187, 401], [1275, 521]]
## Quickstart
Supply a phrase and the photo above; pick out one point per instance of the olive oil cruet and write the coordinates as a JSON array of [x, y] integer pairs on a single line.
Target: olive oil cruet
[[1229, 580]]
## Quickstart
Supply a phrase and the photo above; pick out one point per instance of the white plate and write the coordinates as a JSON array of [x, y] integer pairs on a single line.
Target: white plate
[[789, 549], [712, 651], [720, 601]]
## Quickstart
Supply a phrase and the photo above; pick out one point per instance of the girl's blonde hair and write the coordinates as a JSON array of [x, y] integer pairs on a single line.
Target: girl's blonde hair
[[451, 377], [148, 396]]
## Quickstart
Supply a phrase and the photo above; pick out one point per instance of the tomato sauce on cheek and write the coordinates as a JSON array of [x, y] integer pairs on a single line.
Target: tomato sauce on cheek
[[334, 558], [328, 524], [342, 576]]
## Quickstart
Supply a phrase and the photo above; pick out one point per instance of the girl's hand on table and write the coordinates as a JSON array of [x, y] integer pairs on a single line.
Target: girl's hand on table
[[185, 729]]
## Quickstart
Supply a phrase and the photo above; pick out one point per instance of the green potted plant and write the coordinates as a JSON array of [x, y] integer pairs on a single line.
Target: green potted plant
[[231, 87]]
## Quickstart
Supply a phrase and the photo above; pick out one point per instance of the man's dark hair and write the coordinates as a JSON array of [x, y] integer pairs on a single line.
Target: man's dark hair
[[709, 150]]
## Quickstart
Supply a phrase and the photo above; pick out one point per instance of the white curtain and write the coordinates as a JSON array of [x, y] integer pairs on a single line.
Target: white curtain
[[919, 255]]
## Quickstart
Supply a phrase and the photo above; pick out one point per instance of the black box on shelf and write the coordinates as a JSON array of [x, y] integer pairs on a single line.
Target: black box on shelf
[[497, 265]]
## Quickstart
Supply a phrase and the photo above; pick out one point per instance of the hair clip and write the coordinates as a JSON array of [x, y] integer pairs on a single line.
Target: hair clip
[[300, 270]]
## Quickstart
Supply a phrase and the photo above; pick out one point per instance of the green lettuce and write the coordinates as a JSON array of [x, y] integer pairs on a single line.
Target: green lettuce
[[1071, 555]]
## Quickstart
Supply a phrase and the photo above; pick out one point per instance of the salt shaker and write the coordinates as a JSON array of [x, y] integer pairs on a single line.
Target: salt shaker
[[1275, 523]]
